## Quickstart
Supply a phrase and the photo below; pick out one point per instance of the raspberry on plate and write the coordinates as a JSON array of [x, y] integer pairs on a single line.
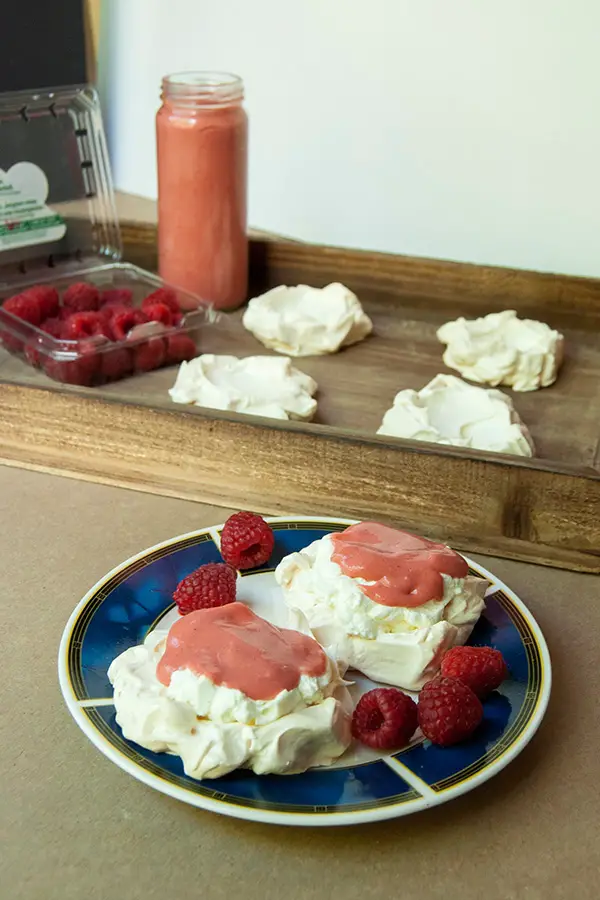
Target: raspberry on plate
[[384, 719], [46, 298], [81, 297], [149, 355], [211, 585], [162, 295], [481, 668], [448, 711], [247, 541], [180, 348], [84, 325]]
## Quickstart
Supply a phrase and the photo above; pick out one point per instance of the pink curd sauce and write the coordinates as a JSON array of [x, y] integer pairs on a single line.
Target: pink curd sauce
[[406, 569], [234, 647]]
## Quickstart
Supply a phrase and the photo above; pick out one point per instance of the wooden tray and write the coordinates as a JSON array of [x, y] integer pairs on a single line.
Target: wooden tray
[[545, 510]]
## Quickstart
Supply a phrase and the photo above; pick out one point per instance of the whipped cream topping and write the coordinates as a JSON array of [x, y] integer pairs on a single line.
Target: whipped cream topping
[[450, 411], [257, 385], [500, 348], [307, 321], [394, 644], [216, 729]]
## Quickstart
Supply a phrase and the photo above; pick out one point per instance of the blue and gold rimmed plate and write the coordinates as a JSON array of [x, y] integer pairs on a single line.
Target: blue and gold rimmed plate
[[120, 610]]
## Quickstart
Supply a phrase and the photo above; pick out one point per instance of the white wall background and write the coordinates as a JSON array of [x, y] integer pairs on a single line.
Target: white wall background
[[460, 129]]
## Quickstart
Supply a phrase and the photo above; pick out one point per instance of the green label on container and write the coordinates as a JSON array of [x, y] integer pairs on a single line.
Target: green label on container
[[25, 219]]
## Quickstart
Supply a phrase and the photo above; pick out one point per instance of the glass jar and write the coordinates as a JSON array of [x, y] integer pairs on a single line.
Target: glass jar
[[202, 149]]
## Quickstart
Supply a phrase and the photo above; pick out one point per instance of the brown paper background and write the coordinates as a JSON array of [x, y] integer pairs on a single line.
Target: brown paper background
[[75, 827]]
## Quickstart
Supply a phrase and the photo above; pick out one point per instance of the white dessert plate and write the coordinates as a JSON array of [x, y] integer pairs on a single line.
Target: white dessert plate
[[363, 786]]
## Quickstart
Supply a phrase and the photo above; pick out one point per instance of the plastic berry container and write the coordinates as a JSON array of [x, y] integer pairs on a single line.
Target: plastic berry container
[[69, 305]]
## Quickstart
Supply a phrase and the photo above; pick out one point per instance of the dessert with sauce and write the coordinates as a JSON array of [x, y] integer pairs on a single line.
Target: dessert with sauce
[[383, 601], [225, 689]]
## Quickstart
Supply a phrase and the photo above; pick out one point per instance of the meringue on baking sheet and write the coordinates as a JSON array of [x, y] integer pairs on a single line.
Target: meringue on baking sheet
[[307, 321], [216, 728], [396, 644], [257, 385], [450, 411], [502, 349]]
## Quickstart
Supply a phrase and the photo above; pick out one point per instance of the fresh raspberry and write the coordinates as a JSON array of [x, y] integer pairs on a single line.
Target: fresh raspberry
[[481, 668], [85, 325], [14, 335], [51, 327], [384, 719], [24, 307], [46, 298], [448, 710], [110, 309], [81, 297], [162, 295], [247, 541], [122, 322], [159, 312], [32, 352], [81, 370], [180, 347], [209, 586], [116, 363], [119, 296], [149, 355]]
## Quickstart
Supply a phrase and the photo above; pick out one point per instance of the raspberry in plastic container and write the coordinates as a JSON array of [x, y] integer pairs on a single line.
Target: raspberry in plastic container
[[180, 348], [46, 298], [34, 346], [84, 325], [149, 355], [125, 321], [110, 309], [81, 297], [116, 363], [69, 269], [24, 307], [80, 371], [164, 295], [118, 296]]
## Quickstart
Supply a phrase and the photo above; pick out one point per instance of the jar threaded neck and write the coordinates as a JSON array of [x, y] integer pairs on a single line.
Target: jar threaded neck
[[202, 88]]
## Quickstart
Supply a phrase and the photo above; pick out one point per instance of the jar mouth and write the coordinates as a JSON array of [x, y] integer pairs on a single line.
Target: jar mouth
[[207, 88]]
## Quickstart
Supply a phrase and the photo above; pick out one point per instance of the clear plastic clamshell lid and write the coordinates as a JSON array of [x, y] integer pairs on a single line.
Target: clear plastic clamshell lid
[[56, 197]]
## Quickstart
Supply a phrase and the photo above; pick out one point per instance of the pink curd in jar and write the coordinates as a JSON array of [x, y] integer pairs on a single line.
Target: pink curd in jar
[[202, 156]]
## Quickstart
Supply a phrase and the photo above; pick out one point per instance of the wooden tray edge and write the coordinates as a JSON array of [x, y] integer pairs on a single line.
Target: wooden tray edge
[[524, 513]]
